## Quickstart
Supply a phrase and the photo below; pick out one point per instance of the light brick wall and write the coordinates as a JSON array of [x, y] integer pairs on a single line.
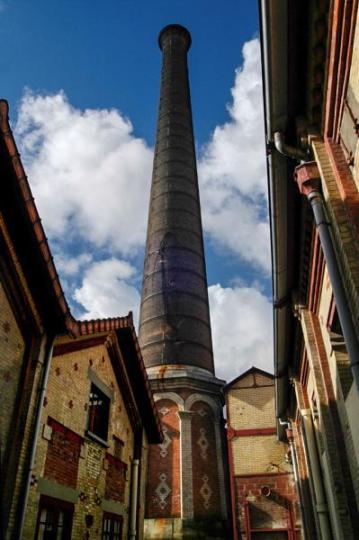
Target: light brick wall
[[67, 399], [12, 348], [258, 454], [258, 460]]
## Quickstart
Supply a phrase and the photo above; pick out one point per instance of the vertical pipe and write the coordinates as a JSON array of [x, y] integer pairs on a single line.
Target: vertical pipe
[[345, 316], [36, 429], [320, 506], [134, 492]]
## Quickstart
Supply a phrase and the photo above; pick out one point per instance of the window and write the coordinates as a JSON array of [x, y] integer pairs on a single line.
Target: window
[[111, 527], [99, 410], [54, 520]]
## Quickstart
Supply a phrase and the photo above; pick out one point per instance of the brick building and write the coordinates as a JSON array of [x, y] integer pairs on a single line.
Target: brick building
[[310, 65], [263, 488], [76, 411], [97, 421], [186, 488], [32, 311]]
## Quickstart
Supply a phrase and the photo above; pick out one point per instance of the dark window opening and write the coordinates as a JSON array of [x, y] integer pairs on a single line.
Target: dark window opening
[[111, 527], [99, 411], [54, 521]]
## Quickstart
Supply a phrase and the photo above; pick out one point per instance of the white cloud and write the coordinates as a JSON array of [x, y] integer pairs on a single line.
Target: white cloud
[[71, 265], [232, 170], [89, 173], [241, 330], [107, 290]]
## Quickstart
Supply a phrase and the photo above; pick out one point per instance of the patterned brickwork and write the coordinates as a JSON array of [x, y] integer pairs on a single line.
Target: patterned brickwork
[[67, 403], [206, 494], [163, 497]]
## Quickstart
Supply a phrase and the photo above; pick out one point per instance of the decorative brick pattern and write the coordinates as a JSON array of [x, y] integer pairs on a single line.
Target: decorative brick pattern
[[206, 501], [164, 480], [100, 479]]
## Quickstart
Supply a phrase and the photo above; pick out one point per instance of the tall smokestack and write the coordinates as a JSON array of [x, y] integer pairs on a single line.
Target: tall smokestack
[[174, 322], [186, 493]]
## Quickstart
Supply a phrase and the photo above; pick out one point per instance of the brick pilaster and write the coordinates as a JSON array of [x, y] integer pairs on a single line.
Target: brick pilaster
[[186, 465]]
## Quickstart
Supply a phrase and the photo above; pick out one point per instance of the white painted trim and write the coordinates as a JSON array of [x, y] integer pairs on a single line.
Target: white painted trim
[[172, 396], [193, 398]]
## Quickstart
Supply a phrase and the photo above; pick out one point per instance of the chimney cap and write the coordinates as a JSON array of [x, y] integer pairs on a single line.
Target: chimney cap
[[173, 29]]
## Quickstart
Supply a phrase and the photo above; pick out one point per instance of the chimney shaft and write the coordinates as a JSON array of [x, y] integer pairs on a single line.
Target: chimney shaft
[[175, 322]]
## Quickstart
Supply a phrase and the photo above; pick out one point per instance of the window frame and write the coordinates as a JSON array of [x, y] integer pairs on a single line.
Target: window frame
[[111, 534], [56, 506], [95, 416]]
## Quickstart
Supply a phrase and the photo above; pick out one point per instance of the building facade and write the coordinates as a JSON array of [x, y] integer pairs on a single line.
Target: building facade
[[186, 494], [264, 494], [32, 311], [98, 418], [310, 66], [76, 412]]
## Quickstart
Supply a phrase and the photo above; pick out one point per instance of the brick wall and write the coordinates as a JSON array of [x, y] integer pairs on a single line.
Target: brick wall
[[67, 403], [63, 454], [258, 460], [163, 490], [12, 349], [206, 496], [115, 478]]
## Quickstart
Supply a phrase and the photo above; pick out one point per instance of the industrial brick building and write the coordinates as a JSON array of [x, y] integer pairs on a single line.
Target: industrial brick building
[[186, 487], [263, 487], [77, 413], [311, 88], [97, 420]]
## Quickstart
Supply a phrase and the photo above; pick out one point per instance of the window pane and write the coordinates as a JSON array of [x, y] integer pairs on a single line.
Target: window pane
[[99, 408]]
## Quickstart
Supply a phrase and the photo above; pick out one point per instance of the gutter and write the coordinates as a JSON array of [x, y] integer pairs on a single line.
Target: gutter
[[274, 110], [36, 430]]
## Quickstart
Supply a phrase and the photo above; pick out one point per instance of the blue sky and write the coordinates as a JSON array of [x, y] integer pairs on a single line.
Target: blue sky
[[82, 81]]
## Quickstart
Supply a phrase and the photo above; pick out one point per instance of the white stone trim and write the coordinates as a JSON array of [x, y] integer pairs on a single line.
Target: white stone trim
[[193, 398], [172, 396], [186, 465]]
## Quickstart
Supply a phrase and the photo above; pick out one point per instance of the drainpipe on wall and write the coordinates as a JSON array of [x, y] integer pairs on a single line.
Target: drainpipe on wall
[[320, 506], [290, 438], [308, 179], [40, 400], [134, 496]]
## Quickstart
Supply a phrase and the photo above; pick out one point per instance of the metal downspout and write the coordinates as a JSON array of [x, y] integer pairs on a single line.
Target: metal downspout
[[322, 223], [345, 317], [134, 496], [40, 400], [289, 433], [320, 506]]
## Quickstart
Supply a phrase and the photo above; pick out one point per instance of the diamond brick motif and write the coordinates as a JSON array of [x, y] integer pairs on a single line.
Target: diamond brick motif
[[203, 443], [162, 490], [205, 491], [166, 442]]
